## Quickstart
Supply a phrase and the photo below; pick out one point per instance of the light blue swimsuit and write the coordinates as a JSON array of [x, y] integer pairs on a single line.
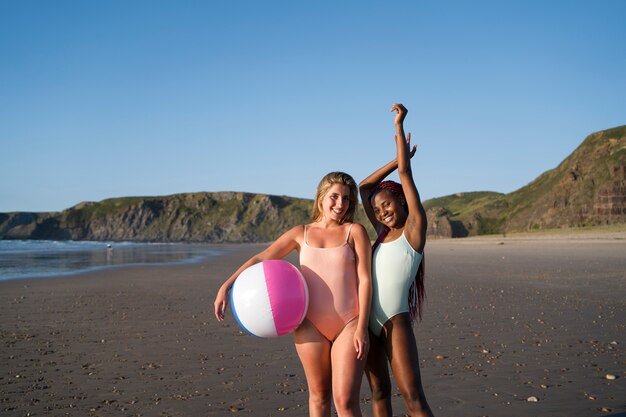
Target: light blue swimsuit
[[394, 267]]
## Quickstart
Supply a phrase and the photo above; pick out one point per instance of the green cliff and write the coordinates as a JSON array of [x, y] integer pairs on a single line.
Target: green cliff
[[588, 188]]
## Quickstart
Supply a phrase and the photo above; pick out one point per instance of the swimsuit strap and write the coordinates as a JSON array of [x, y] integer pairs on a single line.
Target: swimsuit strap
[[349, 229]]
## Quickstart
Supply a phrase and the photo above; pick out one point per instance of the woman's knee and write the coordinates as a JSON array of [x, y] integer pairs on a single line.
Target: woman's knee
[[321, 397], [346, 403]]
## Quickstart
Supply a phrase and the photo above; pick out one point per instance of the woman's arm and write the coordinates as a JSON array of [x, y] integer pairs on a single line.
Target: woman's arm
[[282, 247], [416, 223], [363, 253], [367, 186]]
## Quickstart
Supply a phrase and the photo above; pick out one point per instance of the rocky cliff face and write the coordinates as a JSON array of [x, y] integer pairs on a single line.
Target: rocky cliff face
[[587, 188], [197, 217], [18, 225], [440, 225]]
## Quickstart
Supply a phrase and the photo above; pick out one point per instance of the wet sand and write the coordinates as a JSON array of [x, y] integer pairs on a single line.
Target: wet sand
[[507, 320]]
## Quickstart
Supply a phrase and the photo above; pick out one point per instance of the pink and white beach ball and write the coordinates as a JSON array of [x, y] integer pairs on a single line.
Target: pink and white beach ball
[[270, 299]]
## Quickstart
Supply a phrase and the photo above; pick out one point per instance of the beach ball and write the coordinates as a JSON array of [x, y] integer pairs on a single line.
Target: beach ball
[[270, 298]]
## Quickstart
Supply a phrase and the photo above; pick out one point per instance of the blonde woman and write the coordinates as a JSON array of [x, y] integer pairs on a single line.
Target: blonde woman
[[335, 259]]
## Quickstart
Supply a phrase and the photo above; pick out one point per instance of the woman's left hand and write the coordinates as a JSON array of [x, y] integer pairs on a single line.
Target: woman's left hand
[[408, 144], [361, 343]]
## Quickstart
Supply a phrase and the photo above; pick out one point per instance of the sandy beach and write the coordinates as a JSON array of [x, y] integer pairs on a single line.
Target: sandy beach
[[515, 326]]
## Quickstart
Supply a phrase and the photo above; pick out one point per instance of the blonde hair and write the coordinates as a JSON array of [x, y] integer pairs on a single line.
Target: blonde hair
[[328, 181]]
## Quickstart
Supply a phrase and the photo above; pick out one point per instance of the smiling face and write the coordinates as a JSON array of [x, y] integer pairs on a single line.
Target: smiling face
[[332, 186], [336, 202], [389, 210]]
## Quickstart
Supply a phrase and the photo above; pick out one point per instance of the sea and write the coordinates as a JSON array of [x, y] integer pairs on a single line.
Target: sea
[[47, 258]]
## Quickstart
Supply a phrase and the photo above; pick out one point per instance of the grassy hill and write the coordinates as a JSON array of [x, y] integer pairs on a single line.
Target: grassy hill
[[192, 217], [587, 189]]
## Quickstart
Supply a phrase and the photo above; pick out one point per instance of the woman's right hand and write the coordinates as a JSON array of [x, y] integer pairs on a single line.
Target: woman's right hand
[[221, 301]]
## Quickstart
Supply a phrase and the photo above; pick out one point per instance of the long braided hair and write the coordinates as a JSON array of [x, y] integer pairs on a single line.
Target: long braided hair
[[417, 292]]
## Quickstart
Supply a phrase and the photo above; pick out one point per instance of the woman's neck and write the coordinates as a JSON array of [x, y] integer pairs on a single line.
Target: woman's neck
[[394, 233]]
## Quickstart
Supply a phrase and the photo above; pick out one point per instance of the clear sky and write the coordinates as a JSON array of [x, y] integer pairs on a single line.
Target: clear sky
[[103, 99]]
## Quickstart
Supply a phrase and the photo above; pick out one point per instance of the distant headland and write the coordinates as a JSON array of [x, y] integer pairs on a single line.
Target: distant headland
[[588, 188]]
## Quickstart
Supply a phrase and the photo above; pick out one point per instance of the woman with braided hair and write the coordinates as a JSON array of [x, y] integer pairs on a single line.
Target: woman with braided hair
[[397, 213]]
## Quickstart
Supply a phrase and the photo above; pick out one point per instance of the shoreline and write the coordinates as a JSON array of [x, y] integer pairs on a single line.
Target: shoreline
[[599, 233], [506, 319], [47, 260]]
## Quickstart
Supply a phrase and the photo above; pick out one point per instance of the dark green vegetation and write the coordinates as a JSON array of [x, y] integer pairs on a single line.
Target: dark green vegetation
[[194, 217], [587, 189]]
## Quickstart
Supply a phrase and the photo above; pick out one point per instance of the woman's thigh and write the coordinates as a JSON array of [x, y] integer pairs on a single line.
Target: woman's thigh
[[376, 368], [314, 353], [347, 370], [402, 352]]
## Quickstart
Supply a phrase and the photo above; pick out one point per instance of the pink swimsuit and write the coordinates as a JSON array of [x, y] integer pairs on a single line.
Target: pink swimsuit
[[330, 274]]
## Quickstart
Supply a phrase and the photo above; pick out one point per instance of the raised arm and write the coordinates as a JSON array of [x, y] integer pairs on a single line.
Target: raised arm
[[416, 223], [366, 187], [282, 247]]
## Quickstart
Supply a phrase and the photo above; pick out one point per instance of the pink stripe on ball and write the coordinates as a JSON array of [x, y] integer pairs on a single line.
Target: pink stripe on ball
[[285, 280]]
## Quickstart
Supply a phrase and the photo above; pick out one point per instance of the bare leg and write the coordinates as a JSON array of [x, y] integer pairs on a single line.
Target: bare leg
[[377, 373], [314, 353], [347, 373], [402, 351]]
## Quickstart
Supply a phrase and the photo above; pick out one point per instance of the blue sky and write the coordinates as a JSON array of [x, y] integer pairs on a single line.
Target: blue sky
[[144, 98]]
